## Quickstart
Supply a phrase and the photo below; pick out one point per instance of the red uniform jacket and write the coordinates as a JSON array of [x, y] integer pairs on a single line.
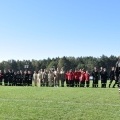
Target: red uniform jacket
[[87, 76], [79, 73], [76, 75], [70, 76], [82, 77]]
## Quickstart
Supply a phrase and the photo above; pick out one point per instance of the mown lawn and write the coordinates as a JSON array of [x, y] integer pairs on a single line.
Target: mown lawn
[[38, 103]]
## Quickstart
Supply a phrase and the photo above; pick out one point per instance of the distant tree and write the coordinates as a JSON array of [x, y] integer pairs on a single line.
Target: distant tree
[[87, 63], [53, 64]]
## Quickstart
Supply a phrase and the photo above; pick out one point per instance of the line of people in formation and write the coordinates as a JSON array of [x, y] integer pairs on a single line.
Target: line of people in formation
[[51, 78]]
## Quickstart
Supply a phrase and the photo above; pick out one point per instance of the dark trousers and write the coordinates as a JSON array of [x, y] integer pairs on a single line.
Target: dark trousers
[[76, 82], [25, 81], [6, 81], [82, 83], [0, 81], [71, 83], [21, 82], [103, 83], [111, 80], [67, 83], [116, 82], [10, 81], [95, 83], [87, 83], [29, 83], [62, 82], [119, 82], [14, 82], [18, 82]]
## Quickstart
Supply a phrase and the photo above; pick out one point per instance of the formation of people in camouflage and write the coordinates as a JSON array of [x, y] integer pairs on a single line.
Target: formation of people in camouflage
[[56, 78]]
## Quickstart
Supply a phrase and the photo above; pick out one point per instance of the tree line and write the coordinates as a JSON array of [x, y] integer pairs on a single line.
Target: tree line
[[87, 63]]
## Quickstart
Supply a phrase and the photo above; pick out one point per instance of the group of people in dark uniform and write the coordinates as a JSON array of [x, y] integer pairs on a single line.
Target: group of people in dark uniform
[[104, 76], [19, 78], [56, 78], [113, 76]]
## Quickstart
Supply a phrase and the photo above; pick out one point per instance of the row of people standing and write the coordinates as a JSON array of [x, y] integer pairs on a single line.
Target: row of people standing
[[27, 78], [46, 78], [82, 78], [56, 78], [77, 78], [103, 75], [51, 78], [19, 78]]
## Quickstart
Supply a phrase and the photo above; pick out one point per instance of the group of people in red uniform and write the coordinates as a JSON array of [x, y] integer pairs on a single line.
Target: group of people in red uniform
[[78, 78]]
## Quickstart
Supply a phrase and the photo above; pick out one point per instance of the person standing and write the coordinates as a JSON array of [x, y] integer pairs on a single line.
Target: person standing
[[26, 77], [56, 77], [18, 78], [104, 78], [35, 78], [76, 78], [87, 78], [62, 77], [21, 77], [95, 75], [1, 77], [45, 78], [11, 76], [82, 78], [80, 72], [30, 77], [40, 77], [6, 77], [101, 71], [14, 79], [50, 79], [118, 72], [71, 78], [112, 76], [66, 78]]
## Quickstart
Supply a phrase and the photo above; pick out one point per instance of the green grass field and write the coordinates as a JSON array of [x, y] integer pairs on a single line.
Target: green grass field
[[38, 103]]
